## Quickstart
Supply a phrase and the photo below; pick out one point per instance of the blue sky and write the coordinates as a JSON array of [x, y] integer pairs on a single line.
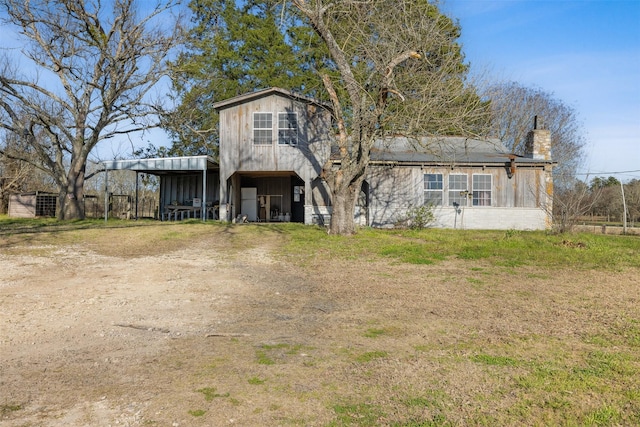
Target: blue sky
[[584, 52]]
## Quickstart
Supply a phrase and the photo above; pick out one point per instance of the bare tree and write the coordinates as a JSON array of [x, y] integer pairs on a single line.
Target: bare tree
[[17, 176], [632, 193], [513, 107], [571, 202], [400, 71], [95, 68]]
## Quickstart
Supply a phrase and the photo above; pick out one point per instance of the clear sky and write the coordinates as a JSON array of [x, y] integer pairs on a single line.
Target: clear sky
[[584, 52]]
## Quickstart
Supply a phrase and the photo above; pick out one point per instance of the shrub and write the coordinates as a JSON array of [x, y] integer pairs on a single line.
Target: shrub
[[419, 217]]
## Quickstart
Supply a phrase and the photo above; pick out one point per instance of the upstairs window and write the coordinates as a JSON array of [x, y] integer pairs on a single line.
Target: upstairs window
[[262, 128], [288, 128], [481, 190], [458, 190], [433, 189]]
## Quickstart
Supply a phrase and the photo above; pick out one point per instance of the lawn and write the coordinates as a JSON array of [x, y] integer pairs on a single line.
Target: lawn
[[146, 323]]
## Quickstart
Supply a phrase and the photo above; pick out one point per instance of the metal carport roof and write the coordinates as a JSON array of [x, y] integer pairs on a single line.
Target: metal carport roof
[[164, 165]]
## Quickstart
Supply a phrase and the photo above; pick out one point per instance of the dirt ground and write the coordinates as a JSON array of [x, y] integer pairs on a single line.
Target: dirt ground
[[212, 334]]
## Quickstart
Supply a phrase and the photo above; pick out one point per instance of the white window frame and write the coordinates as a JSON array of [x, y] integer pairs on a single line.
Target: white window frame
[[431, 188], [288, 135], [482, 196], [459, 195], [262, 140]]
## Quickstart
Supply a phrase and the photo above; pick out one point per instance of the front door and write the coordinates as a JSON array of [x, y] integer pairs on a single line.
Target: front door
[[297, 202]]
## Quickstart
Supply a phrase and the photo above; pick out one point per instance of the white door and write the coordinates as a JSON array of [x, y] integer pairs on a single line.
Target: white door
[[249, 203]]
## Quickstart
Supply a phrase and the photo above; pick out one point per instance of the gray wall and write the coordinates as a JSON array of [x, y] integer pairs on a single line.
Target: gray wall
[[239, 154], [182, 188], [520, 202]]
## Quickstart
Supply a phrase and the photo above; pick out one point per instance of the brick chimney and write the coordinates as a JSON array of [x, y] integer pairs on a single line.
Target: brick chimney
[[538, 144]]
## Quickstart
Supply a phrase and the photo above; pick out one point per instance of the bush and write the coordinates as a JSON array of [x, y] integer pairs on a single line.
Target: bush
[[419, 217]]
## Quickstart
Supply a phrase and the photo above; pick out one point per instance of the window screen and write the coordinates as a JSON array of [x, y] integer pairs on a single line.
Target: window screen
[[458, 190]]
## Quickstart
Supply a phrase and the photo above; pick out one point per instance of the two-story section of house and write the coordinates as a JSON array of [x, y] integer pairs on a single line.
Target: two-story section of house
[[273, 144]]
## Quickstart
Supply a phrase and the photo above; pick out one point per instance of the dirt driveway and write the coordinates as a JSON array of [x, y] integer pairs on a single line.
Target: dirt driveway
[[214, 333], [89, 339]]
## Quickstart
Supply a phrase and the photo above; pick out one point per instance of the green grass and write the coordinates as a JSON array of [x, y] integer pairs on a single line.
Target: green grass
[[356, 414], [197, 412], [210, 393], [7, 409], [256, 381], [500, 248], [374, 333], [521, 377], [263, 358], [370, 356], [268, 354]]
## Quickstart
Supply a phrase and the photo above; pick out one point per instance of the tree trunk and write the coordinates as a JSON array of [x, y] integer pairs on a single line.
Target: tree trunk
[[344, 206], [71, 197]]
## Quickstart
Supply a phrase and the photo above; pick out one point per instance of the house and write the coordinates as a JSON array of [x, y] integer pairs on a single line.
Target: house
[[274, 143]]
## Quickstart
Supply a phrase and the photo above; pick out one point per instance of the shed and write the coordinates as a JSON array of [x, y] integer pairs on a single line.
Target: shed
[[33, 204]]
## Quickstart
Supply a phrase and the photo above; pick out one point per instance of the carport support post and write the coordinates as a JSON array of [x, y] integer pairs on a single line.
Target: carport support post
[[137, 179], [106, 194], [203, 205]]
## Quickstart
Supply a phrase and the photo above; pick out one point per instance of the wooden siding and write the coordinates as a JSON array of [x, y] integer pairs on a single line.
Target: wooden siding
[[32, 205], [240, 157], [394, 189], [239, 153], [390, 190]]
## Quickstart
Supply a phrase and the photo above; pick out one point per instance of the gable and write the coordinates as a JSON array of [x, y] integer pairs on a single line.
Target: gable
[[273, 91]]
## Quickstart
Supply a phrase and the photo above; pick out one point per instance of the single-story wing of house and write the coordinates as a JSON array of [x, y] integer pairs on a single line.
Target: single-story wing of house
[[274, 144]]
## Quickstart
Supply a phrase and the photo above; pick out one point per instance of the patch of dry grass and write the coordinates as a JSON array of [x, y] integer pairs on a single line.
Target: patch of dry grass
[[318, 330]]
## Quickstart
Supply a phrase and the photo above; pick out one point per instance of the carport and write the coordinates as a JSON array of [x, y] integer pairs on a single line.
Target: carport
[[183, 180]]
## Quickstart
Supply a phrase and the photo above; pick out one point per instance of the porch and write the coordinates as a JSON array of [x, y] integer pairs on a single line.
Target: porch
[[266, 197]]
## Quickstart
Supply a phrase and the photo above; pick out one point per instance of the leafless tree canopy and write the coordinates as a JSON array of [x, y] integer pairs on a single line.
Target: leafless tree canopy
[[397, 69], [18, 176], [93, 69], [513, 109]]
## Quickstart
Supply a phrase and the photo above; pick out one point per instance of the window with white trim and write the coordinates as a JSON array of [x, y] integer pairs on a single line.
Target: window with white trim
[[288, 128], [481, 190], [433, 189], [458, 192], [262, 128]]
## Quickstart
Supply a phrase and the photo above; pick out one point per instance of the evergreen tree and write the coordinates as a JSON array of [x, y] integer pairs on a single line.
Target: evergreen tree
[[232, 50]]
